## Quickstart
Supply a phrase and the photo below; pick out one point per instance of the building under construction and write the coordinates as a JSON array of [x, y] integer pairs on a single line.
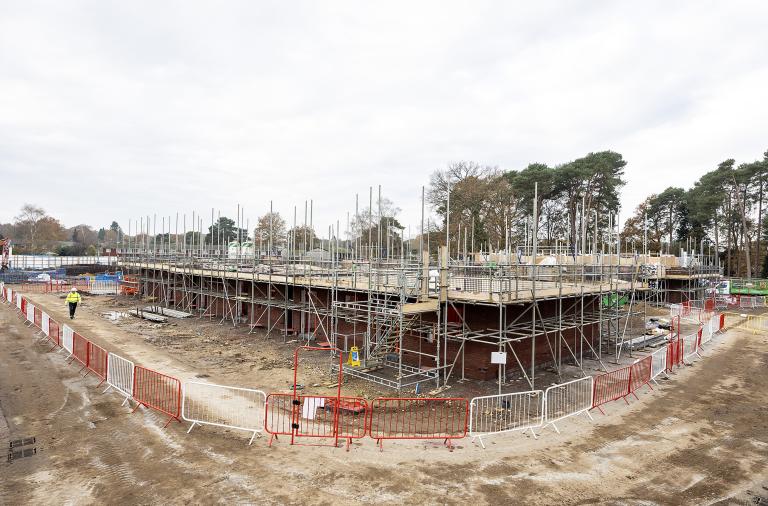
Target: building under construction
[[418, 318]]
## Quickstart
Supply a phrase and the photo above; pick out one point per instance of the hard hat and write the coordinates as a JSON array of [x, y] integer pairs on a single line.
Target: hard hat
[[73, 289]]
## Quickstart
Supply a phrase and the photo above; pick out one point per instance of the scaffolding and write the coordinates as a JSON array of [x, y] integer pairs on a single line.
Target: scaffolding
[[414, 321], [416, 317]]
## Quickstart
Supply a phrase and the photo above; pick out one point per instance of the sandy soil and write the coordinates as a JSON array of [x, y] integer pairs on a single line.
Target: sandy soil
[[699, 438]]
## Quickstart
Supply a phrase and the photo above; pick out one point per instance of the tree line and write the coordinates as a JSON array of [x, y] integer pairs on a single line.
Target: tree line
[[723, 211], [491, 209], [33, 231]]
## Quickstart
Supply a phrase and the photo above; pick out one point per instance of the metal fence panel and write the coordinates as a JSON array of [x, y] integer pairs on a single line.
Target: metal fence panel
[[419, 418], [640, 374], [224, 406], [568, 399], [497, 414], [68, 337], [690, 347], [45, 324], [157, 391], [659, 362], [611, 386], [120, 375], [80, 349], [98, 361]]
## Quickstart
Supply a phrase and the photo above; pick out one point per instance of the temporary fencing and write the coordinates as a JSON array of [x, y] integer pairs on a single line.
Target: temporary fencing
[[38, 318], [54, 285], [67, 338], [690, 346], [347, 418], [103, 287], [419, 418], [279, 416], [496, 414], [611, 386], [568, 399], [80, 349], [120, 375], [97, 361], [54, 331], [157, 391], [750, 302], [313, 416], [659, 362], [30, 313], [640, 374], [674, 353], [223, 406], [755, 324], [45, 324], [708, 330]]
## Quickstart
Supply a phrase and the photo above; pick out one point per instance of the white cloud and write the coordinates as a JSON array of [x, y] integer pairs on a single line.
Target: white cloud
[[118, 110]]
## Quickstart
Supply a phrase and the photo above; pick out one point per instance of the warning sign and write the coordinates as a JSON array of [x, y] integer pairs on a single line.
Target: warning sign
[[354, 357]]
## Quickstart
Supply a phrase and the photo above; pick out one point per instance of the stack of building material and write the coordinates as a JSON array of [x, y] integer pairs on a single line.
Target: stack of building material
[[148, 315], [173, 313]]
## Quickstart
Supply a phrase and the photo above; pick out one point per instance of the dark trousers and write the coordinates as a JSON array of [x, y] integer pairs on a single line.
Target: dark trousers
[[72, 307]]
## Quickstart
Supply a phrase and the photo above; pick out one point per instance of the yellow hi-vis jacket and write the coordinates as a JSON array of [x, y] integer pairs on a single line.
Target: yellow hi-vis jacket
[[73, 297]]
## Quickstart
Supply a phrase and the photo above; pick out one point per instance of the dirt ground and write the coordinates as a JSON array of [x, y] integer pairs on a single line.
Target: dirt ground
[[699, 438]]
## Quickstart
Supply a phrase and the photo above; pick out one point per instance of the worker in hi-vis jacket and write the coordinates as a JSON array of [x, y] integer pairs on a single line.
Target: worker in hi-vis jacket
[[73, 297]]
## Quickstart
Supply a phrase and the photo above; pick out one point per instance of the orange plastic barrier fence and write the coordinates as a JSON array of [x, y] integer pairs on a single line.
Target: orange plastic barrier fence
[[97, 361], [80, 349], [418, 418], [611, 386], [316, 416], [157, 391], [640, 374]]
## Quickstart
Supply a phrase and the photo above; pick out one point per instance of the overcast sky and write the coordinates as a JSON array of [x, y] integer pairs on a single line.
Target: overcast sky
[[114, 110]]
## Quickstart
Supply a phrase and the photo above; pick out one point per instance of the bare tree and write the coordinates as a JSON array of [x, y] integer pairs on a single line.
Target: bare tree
[[452, 174], [27, 224], [270, 229]]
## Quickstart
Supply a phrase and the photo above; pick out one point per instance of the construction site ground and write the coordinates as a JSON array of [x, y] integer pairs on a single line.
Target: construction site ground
[[700, 437]]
